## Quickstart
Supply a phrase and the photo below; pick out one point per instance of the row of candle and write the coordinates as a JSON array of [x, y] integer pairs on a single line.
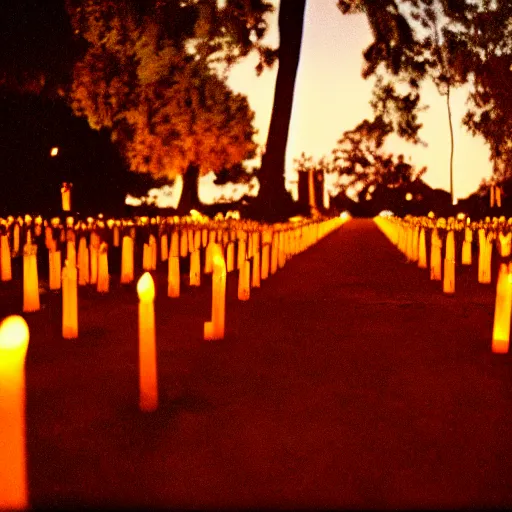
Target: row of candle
[[14, 337], [410, 238]]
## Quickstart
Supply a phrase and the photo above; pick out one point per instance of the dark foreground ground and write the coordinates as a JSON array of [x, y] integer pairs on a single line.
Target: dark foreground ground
[[347, 381]]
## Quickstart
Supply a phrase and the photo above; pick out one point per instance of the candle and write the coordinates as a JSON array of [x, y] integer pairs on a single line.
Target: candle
[[152, 252], [502, 311], [103, 277], [30, 279], [94, 246], [146, 257], [242, 249], [274, 253], [115, 236], [148, 387], [14, 337], [173, 276], [256, 259], [281, 254], [422, 250], [83, 262], [244, 288], [214, 330], [55, 269], [164, 247], [184, 243], [466, 246], [5, 259], [484, 256], [435, 256], [16, 239], [449, 264], [266, 238], [127, 260], [69, 301], [230, 256], [195, 268]]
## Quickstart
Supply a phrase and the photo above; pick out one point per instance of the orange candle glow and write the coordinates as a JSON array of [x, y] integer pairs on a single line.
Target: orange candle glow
[[127, 260], [30, 279], [422, 250], [449, 264], [103, 277], [244, 285], [502, 311], [195, 268], [256, 260], [55, 269], [14, 337], [83, 262], [436, 245], [148, 386], [69, 301], [214, 330], [230, 257], [164, 247], [5, 259], [466, 246]]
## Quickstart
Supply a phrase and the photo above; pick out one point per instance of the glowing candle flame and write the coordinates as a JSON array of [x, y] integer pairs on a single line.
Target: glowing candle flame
[[146, 287]]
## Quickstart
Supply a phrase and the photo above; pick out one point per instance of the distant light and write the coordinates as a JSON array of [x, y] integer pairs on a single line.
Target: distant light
[[386, 213], [461, 216], [132, 201], [431, 215], [344, 215], [100, 215], [408, 196], [54, 151], [455, 201]]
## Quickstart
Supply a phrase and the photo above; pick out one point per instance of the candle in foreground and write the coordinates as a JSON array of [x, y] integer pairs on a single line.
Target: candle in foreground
[[148, 387], [5, 259], [214, 330], [502, 311], [14, 336]]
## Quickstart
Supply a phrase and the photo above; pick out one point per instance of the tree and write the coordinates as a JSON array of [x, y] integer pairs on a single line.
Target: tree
[[168, 110], [362, 165]]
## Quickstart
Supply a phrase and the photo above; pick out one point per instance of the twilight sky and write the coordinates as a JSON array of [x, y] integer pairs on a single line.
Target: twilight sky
[[331, 97]]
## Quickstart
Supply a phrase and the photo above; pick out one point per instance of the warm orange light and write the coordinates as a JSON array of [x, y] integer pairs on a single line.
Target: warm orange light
[[146, 288], [14, 335], [408, 196], [54, 151]]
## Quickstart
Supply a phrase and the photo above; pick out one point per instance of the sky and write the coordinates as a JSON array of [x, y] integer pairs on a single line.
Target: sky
[[331, 97]]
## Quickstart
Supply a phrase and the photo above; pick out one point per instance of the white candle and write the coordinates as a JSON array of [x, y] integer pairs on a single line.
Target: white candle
[[14, 337], [148, 386]]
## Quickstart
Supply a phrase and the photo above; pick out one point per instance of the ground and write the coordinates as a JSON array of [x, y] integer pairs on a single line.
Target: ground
[[349, 380]]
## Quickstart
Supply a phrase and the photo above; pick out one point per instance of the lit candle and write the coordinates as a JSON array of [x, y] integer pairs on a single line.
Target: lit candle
[[244, 288], [173, 276], [484, 256], [256, 259], [502, 311], [195, 268], [55, 269], [466, 246], [152, 252], [69, 301], [422, 250], [214, 330], [83, 262], [266, 238], [148, 387], [16, 239], [281, 253], [449, 264], [5, 259], [230, 256], [275, 253], [146, 257], [115, 236], [103, 277], [164, 247], [184, 243], [14, 337], [30, 279], [127, 260], [94, 246], [435, 256]]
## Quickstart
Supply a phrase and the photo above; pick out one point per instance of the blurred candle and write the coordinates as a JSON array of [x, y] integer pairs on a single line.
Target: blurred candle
[[275, 253], [83, 262], [14, 337], [115, 236], [16, 239], [502, 311], [266, 237], [69, 301], [230, 256], [195, 268], [214, 330], [436, 245], [164, 247], [422, 250], [5, 259], [103, 277], [184, 243], [466, 246], [148, 386], [256, 259], [146, 257], [55, 270], [94, 246], [449, 264], [152, 252], [244, 273], [127, 260], [30, 279]]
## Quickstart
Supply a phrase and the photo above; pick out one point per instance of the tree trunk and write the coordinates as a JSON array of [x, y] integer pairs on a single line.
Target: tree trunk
[[189, 198], [273, 195], [451, 142]]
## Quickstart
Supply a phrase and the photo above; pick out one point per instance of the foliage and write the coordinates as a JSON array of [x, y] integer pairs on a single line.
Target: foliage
[[163, 102], [360, 161]]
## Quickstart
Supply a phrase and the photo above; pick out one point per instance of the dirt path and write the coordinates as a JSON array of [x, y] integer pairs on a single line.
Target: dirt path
[[347, 380]]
